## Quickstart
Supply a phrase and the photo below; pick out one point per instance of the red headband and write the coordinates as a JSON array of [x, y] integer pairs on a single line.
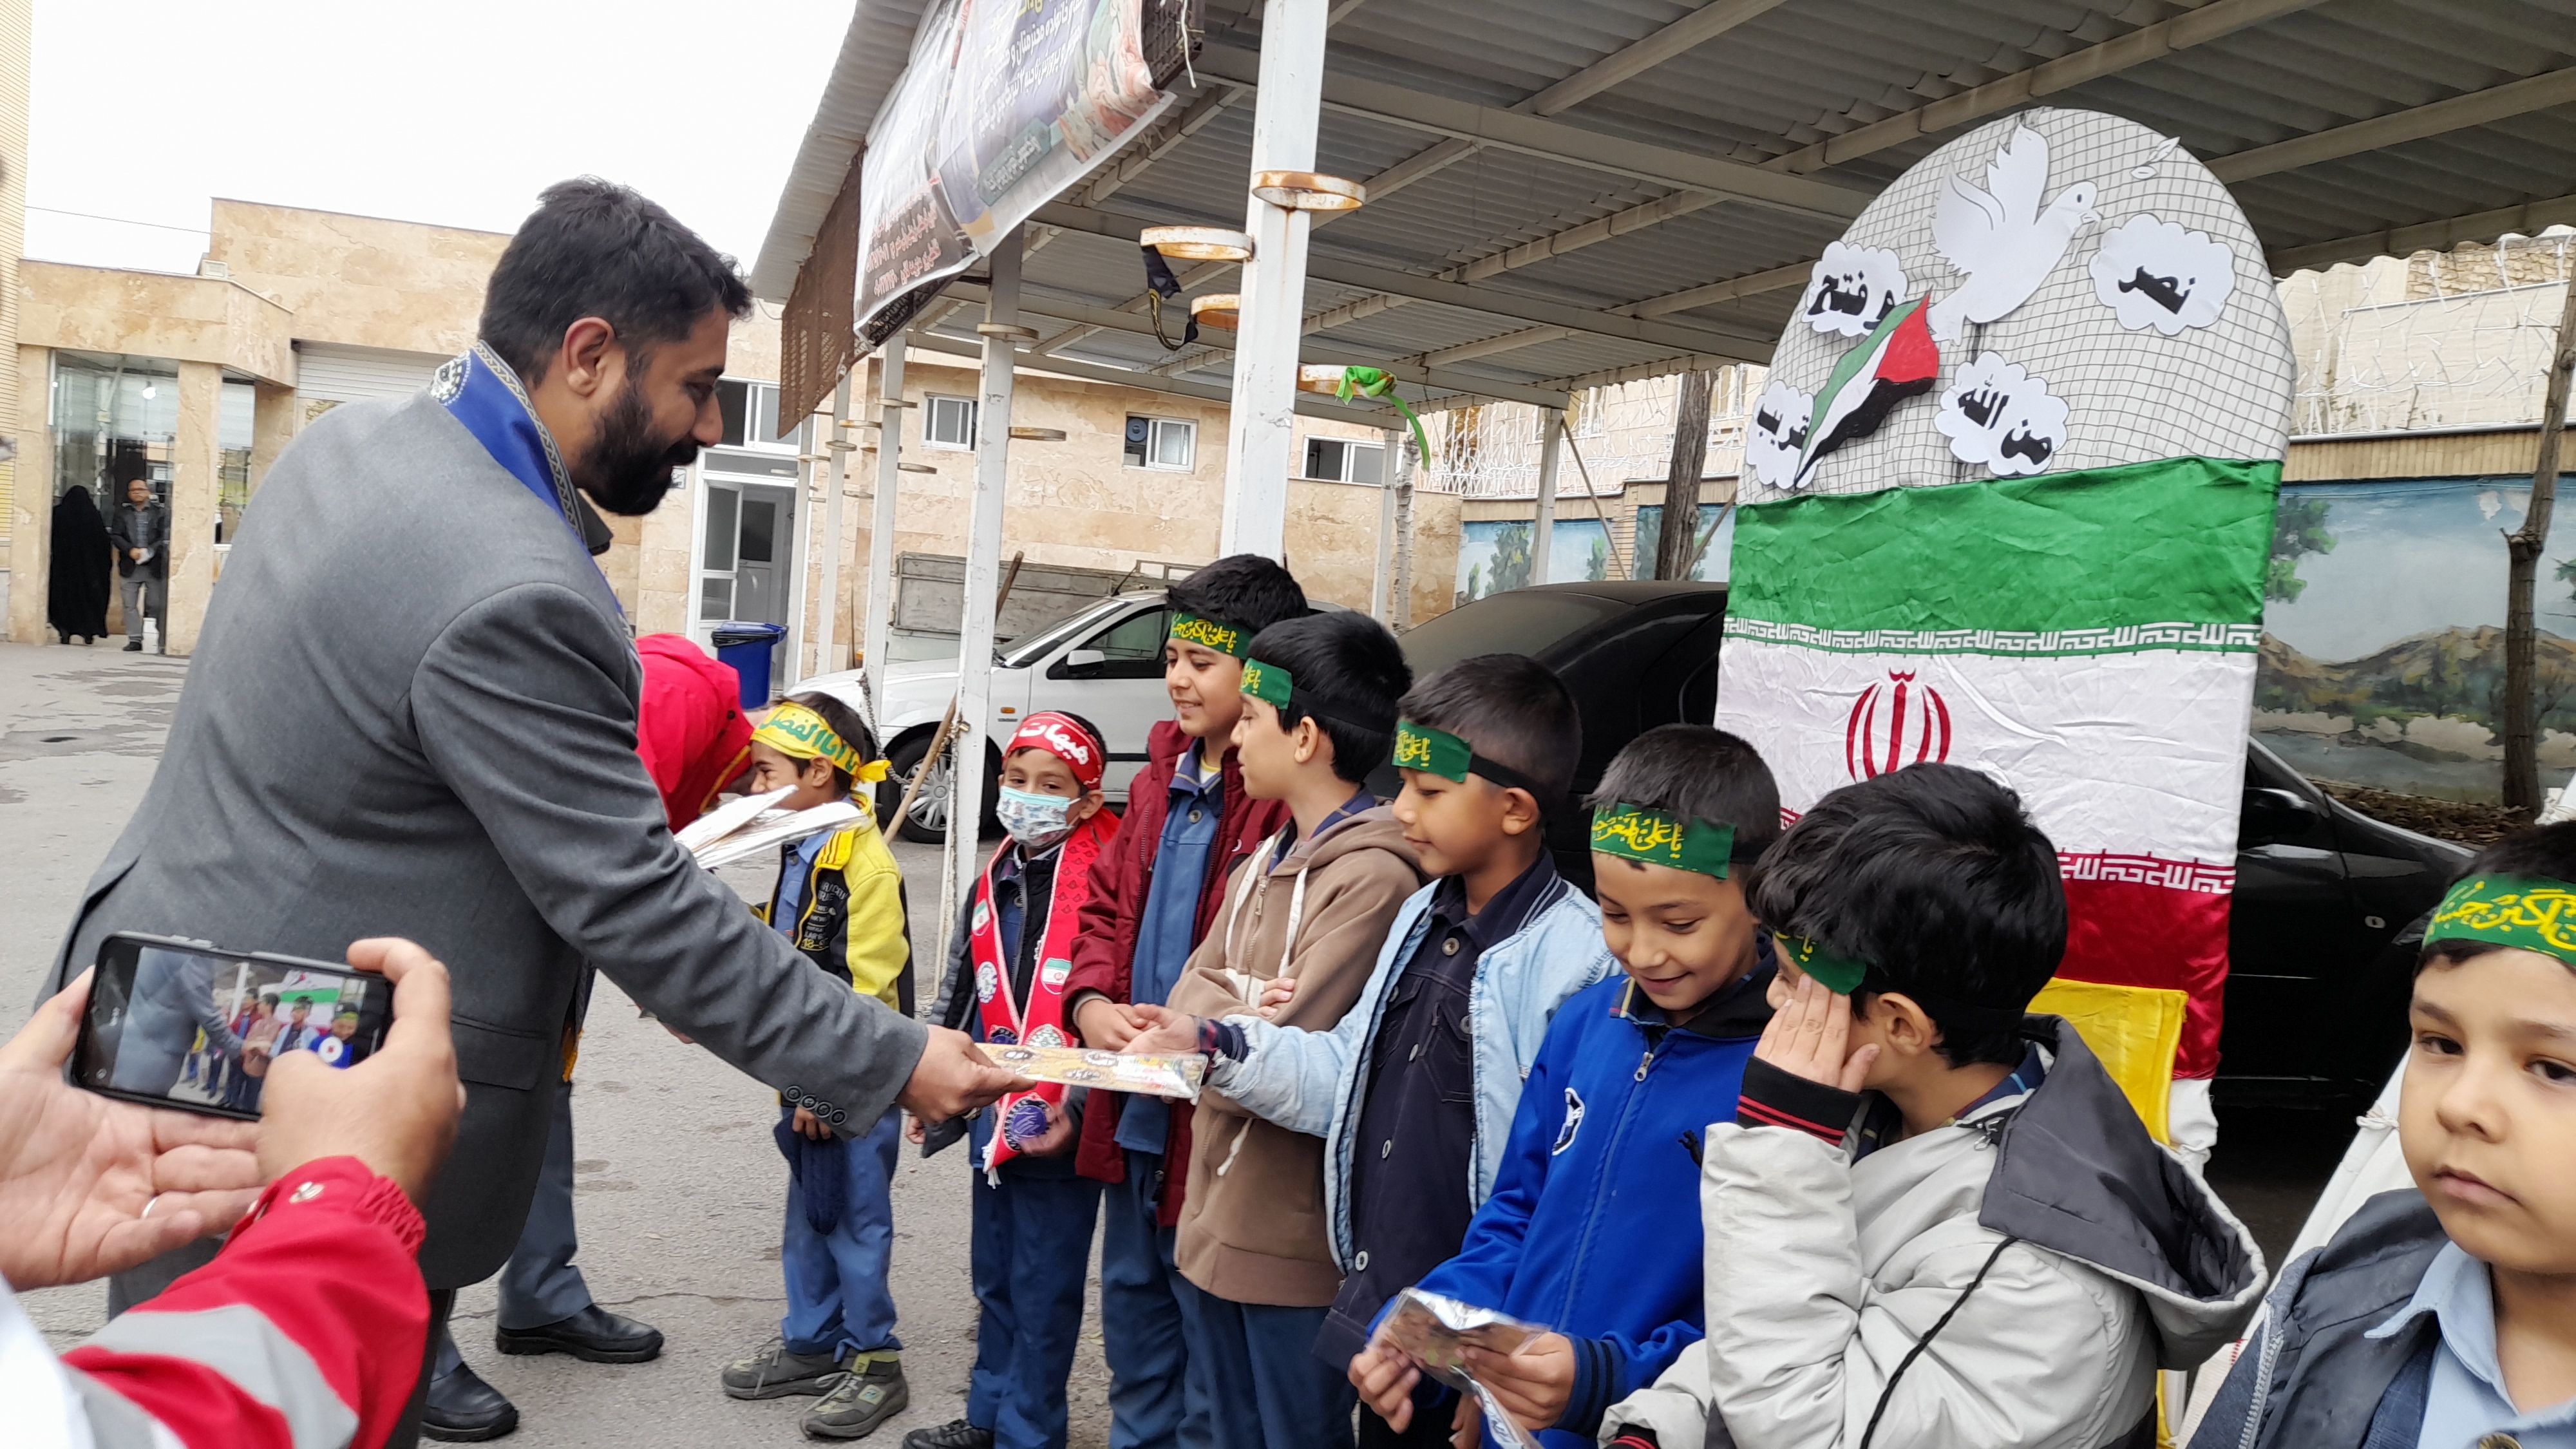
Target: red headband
[[1064, 737]]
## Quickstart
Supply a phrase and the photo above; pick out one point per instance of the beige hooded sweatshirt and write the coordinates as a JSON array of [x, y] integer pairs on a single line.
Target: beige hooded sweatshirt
[[1253, 1228]]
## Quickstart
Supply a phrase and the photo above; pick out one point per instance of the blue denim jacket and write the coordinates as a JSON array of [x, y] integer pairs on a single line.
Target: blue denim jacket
[[1310, 1081]]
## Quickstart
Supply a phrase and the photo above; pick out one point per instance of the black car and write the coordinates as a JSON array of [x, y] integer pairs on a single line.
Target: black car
[[2327, 905]]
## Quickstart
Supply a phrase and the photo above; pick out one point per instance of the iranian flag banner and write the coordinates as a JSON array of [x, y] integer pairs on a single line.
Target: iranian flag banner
[[2007, 504], [2101, 662]]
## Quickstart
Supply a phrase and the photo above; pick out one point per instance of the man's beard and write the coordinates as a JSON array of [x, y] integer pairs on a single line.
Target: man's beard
[[627, 469]]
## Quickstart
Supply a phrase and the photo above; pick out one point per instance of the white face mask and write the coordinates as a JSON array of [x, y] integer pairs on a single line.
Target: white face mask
[[1036, 821]]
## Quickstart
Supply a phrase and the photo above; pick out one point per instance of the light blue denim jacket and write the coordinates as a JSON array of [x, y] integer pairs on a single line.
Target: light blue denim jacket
[[1310, 1081]]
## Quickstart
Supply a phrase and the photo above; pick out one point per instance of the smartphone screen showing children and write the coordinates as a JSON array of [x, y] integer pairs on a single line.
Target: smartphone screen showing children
[[200, 1029]]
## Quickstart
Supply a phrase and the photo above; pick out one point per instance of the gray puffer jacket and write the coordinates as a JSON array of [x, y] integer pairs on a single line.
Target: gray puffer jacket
[[2019, 1275]]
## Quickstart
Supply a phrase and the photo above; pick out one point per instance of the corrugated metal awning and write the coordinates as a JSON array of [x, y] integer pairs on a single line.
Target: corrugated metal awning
[[1666, 169]]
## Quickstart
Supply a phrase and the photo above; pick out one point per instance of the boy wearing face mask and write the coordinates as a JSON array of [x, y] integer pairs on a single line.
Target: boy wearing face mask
[[1033, 1210]]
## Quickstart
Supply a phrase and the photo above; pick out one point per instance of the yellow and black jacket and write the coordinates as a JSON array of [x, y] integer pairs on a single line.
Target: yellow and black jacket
[[850, 917]]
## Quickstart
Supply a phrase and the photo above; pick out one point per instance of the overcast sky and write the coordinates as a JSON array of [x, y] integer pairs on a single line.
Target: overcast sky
[[455, 113]]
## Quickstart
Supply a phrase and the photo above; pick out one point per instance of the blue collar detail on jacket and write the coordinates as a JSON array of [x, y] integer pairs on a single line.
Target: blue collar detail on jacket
[[482, 392]]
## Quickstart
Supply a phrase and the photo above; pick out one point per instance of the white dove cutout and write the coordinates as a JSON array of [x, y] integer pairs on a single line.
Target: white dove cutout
[[2000, 237]]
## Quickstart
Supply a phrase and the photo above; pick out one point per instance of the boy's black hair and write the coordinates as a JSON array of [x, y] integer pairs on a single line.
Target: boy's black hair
[[1934, 877], [593, 248], [1348, 672], [1512, 710], [1243, 589], [1697, 772], [846, 723], [2542, 852]]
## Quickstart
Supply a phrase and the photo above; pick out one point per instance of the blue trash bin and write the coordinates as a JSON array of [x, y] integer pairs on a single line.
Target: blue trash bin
[[745, 648]]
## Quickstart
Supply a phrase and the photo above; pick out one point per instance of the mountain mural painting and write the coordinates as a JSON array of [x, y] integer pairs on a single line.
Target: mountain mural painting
[[2382, 660]]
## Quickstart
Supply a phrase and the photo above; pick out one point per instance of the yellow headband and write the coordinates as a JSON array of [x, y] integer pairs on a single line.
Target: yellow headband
[[801, 734]]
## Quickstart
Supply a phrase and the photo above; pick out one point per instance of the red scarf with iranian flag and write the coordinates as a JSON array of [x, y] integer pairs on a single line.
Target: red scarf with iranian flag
[[1039, 1021]]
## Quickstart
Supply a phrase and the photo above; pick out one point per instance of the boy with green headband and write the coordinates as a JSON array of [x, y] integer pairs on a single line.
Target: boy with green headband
[[2447, 1315], [839, 898], [1592, 1231], [1929, 1220], [1412, 1092]]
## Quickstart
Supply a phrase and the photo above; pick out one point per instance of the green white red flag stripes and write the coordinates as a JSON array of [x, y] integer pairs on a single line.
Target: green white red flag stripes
[[2088, 638]]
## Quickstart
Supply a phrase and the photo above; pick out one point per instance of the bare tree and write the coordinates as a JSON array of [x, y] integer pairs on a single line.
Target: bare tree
[[1673, 549], [2523, 545]]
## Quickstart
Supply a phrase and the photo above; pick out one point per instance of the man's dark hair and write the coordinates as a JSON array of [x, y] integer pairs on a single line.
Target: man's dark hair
[[1512, 710], [1697, 772], [1934, 877], [1349, 672], [593, 248], [2539, 852], [1243, 589], [846, 723]]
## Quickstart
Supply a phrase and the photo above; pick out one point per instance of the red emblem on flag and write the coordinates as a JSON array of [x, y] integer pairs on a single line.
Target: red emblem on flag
[[1916, 731]]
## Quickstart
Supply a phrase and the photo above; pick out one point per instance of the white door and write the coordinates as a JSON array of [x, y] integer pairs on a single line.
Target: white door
[[745, 549], [1114, 678]]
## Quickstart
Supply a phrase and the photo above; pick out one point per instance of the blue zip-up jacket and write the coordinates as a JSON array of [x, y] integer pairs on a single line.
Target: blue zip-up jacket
[[1311, 1081], [1593, 1228]]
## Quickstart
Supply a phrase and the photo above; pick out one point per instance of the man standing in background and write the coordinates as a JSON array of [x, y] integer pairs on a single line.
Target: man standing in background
[[141, 534]]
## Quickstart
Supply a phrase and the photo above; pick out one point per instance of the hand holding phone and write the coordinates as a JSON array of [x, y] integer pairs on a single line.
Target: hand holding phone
[[395, 1111], [90, 1186]]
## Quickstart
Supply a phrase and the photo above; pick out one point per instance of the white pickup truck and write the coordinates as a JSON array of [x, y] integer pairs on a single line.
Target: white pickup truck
[[1103, 662]]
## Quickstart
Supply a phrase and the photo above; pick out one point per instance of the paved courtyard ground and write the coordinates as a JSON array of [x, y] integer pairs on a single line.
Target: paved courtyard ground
[[680, 1190]]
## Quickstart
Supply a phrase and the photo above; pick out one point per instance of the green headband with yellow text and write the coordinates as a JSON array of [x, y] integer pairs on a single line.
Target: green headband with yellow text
[[2519, 912], [1211, 634], [1655, 837], [1838, 974], [801, 734], [1438, 752]]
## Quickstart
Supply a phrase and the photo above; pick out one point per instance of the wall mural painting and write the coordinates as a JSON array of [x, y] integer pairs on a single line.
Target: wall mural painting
[[2383, 636], [1494, 555]]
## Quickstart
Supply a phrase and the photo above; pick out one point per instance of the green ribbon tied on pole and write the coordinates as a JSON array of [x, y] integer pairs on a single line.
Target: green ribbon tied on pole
[[1372, 382]]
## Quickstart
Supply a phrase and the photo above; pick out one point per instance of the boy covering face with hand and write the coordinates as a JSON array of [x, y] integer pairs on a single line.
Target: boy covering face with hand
[[1933, 1222]]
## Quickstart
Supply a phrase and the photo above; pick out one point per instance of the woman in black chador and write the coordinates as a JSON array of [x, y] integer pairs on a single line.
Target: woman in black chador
[[76, 590]]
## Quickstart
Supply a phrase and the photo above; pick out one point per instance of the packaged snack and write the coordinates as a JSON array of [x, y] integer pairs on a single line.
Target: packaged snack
[[1159, 1076]]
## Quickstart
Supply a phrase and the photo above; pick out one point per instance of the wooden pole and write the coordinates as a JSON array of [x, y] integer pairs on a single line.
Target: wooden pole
[[2523, 547], [948, 721], [1681, 481], [1618, 566]]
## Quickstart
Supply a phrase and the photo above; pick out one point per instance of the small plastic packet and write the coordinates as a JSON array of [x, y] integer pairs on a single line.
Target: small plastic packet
[[1437, 1331], [1151, 1074]]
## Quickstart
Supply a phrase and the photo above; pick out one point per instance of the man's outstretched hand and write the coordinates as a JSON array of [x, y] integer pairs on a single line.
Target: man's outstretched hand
[[396, 1111], [91, 1186], [953, 1078]]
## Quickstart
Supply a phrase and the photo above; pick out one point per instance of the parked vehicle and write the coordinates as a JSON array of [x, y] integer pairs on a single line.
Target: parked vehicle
[[2328, 902]]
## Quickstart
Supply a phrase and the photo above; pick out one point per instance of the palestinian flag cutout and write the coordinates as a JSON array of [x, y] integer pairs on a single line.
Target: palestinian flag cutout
[[2087, 635], [1896, 361]]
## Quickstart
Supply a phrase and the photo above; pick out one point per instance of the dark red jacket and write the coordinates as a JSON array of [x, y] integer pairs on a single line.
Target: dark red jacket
[[1104, 942]]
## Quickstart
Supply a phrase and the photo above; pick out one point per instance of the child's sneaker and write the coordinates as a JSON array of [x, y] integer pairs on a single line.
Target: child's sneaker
[[774, 1373], [955, 1434], [867, 1395]]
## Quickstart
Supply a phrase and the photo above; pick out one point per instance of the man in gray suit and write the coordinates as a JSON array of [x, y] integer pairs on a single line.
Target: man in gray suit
[[412, 713]]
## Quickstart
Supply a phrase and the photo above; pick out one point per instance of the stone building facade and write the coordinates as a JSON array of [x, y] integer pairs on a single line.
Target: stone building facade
[[196, 383]]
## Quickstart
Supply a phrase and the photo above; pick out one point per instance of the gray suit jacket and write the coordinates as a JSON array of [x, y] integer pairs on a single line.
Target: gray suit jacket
[[412, 713]]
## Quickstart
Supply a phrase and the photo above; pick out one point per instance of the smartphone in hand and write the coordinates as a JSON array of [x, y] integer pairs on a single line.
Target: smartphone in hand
[[185, 1024]]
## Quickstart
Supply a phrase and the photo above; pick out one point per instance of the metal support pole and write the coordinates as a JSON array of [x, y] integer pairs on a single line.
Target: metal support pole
[[880, 625], [1382, 579], [800, 532], [1400, 614], [1551, 456], [836, 449], [983, 571], [1262, 416]]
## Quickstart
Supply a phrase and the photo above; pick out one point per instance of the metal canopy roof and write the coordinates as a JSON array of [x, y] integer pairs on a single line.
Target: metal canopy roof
[[1565, 192]]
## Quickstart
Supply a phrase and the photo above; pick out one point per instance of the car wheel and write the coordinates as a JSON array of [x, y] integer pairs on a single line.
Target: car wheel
[[927, 822]]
